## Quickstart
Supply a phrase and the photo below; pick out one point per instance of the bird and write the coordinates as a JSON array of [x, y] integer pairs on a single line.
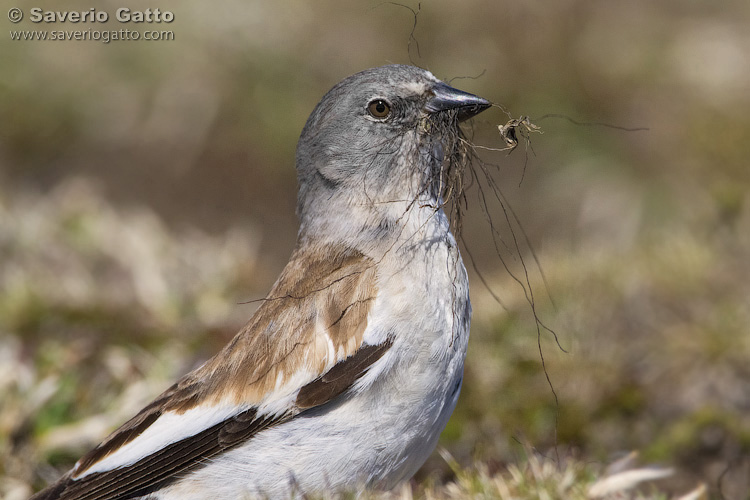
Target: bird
[[348, 371]]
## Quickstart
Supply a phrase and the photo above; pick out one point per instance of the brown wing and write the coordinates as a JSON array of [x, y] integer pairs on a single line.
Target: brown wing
[[330, 287], [171, 462], [322, 298]]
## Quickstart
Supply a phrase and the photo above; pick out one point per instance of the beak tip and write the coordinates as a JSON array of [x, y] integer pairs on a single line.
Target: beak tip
[[446, 98], [465, 113]]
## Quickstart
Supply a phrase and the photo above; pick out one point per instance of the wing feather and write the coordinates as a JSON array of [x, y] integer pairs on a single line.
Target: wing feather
[[322, 298]]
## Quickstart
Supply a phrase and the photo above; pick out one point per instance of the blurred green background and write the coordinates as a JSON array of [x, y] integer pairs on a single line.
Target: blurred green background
[[147, 189]]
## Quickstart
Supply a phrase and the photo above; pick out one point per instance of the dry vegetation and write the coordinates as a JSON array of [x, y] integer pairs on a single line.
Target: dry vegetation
[[139, 207]]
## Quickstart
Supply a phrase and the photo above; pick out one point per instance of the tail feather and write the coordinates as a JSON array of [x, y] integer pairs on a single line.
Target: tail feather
[[54, 491]]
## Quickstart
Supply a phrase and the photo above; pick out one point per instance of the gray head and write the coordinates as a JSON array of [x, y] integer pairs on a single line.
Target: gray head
[[376, 138]]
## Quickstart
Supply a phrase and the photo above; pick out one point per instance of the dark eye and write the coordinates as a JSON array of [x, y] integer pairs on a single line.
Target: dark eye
[[379, 109]]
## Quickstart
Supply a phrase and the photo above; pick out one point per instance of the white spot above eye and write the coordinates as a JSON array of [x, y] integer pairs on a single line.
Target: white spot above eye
[[431, 76], [415, 88]]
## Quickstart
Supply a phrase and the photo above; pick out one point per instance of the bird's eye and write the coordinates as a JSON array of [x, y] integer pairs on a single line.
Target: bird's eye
[[379, 109]]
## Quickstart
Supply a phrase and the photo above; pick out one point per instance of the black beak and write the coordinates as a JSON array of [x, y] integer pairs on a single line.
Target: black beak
[[446, 97]]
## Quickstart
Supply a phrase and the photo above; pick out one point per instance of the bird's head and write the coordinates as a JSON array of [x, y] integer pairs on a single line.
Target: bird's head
[[377, 138]]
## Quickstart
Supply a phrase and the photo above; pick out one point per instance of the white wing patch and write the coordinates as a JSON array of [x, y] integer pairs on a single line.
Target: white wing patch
[[169, 428]]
